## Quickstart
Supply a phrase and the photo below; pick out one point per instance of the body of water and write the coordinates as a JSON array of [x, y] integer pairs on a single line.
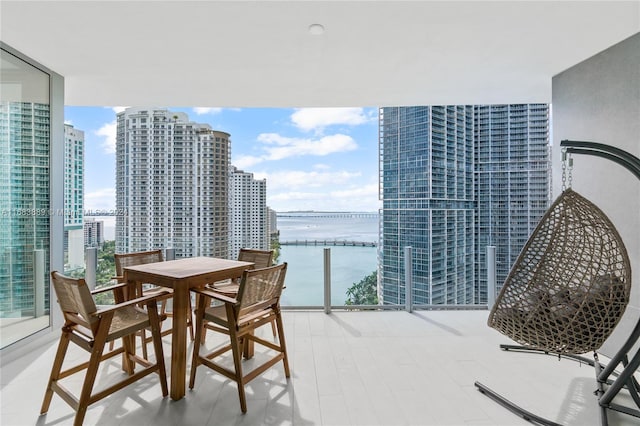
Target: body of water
[[305, 272]]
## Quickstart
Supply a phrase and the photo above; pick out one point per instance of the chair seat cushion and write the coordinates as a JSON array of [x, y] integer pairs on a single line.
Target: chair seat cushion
[[127, 319]]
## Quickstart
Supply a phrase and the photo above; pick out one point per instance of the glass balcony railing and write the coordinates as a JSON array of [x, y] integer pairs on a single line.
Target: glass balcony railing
[[321, 275]]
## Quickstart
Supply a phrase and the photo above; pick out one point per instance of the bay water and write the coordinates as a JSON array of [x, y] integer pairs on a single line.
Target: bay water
[[349, 264]]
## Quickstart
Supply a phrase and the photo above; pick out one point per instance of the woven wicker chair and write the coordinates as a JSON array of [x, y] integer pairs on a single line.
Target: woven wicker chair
[[124, 260], [257, 303], [261, 259], [91, 328], [570, 285]]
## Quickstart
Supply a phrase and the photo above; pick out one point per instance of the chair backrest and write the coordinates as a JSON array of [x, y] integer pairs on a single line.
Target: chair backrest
[[124, 260], [260, 288], [260, 258], [75, 300]]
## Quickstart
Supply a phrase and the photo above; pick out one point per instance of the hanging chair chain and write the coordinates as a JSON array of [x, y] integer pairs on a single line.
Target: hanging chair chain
[[567, 168]]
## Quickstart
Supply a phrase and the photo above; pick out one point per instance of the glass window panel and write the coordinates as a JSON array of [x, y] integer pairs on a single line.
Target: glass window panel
[[24, 199]]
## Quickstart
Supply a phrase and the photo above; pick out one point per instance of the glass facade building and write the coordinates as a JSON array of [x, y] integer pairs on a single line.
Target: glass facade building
[[513, 182], [426, 187], [24, 222], [453, 180]]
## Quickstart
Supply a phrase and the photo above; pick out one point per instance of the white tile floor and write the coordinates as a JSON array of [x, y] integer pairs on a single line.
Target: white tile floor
[[348, 368]]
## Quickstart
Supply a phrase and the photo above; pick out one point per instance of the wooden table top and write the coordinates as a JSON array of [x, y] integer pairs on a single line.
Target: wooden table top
[[187, 268]]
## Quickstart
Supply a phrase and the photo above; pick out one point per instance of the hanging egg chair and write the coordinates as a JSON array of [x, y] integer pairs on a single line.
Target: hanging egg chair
[[570, 285]]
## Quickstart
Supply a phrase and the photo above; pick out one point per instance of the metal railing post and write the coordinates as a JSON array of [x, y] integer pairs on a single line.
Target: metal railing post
[[90, 273], [169, 253], [38, 282], [491, 276], [408, 278], [327, 280]]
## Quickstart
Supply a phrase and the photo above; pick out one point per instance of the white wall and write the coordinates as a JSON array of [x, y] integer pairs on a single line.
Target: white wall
[[598, 100]]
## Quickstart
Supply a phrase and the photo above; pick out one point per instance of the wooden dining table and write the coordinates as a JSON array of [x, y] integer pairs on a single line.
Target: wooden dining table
[[181, 275]]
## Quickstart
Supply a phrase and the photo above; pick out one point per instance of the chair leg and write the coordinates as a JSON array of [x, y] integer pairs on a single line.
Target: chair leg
[[55, 370], [190, 320], [199, 338], [129, 346], [143, 336], [163, 311], [237, 349], [283, 345], [157, 346], [91, 373], [273, 329]]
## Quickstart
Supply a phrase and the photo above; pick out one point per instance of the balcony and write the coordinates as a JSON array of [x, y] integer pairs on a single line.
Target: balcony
[[348, 368]]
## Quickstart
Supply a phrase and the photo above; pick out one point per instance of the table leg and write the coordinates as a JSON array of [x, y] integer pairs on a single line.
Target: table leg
[[179, 341]]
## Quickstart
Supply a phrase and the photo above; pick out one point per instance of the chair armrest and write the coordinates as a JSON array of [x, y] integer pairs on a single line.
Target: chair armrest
[[132, 302], [118, 278], [108, 288], [214, 295]]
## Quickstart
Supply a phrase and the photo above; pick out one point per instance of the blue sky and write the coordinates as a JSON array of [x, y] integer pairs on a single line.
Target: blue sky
[[312, 158]]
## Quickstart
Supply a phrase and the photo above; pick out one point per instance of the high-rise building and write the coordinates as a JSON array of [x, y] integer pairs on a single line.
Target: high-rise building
[[426, 156], [93, 232], [455, 179], [73, 195], [248, 215], [172, 180], [25, 209], [272, 223], [513, 182]]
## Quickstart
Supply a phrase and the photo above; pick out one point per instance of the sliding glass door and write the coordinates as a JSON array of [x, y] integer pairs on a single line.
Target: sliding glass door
[[25, 208]]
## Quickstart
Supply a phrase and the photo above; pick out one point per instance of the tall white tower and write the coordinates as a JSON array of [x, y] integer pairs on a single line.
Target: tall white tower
[[171, 184], [74, 195], [249, 224]]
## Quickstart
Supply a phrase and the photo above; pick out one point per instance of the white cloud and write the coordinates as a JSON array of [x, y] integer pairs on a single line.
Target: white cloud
[[362, 198], [202, 110], [118, 109], [280, 147], [244, 162], [297, 196], [366, 191], [102, 199], [317, 119], [108, 132], [293, 180]]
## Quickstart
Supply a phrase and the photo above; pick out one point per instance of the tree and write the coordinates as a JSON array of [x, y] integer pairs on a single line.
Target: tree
[[364, 292], [104, 274], [275, 246]]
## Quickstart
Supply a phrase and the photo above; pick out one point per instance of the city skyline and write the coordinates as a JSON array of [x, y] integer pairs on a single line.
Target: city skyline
[[312, 158]]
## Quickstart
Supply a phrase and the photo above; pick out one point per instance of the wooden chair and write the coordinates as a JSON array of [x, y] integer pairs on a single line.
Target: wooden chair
[[257, 303], [124, 260], [261, 259], [91, 329]]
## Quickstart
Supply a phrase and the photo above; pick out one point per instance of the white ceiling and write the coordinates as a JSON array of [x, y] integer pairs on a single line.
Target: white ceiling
[[260, 53]]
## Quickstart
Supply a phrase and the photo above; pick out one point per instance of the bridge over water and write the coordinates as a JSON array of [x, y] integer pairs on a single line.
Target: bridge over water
[[331, 215], [328, 243]]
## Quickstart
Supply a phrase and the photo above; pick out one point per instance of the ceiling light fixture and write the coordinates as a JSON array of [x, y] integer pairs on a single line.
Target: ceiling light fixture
[[316, 29]]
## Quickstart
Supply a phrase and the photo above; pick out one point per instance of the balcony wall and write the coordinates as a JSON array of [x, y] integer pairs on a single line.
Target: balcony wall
[[598, 100]]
